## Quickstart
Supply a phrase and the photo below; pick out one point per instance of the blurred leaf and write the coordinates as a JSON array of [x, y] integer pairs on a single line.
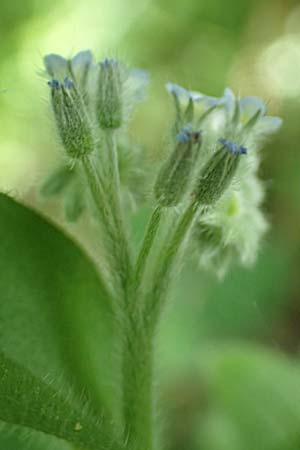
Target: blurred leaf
[[248, 302], [54, 313], [255, 400], [27, 401]]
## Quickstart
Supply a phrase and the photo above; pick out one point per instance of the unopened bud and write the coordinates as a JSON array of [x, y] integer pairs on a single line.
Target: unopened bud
[[109, 101], [71, 118], [218, 172], [175, 175]]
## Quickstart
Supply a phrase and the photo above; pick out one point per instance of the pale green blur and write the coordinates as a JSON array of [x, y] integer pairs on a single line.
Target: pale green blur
[[253, 46]]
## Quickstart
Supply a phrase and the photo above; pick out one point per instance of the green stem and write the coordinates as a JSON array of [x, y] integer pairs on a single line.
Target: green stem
[[150, 234], [107, 222], [138, 361], [138, 398], [137, 357], [114, 197], [166, 263]]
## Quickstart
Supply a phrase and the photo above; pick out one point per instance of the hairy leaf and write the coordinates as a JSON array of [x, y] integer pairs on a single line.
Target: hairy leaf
[[54, 313], [27, 401]]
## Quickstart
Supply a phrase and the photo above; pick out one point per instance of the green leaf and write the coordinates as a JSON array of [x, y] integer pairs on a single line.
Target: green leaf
[[27, 401], [255, 397], [20, 438], [55, 317]]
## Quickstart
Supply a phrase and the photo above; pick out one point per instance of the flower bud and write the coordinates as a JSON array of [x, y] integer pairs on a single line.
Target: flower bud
[[175, 175], [218, 172], [109, 102], [71, 118]]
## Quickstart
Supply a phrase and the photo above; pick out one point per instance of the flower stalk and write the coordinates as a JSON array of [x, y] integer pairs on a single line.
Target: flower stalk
[[203, 180]]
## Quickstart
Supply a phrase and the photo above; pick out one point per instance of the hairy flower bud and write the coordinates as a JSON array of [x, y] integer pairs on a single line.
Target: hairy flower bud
[[109, 102], [218, 172], [175, 175], [71, 118]]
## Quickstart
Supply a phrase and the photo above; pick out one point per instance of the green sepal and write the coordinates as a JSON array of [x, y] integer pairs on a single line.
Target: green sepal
[[74, 202], [57, 181], [216, 176], [175, 174]]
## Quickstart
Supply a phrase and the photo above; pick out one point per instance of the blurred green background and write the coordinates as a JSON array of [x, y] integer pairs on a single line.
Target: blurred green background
[[229, 352]]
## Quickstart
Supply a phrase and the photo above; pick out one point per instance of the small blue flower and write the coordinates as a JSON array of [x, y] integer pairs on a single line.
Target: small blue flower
[[54, 84], [248, 107], [197, 97], [77, 67], [56, 65], [177, 90], [82, 61], [233, 148]]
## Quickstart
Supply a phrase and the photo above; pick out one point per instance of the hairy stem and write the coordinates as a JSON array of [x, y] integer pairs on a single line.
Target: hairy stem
[[138, 398], [138, 362], [114, 197], [149, 237], [106, 219], [166, 264]]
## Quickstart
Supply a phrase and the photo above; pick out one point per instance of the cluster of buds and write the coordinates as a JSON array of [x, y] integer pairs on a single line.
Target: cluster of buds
[[87, 98], [231, 225], [213, 157]]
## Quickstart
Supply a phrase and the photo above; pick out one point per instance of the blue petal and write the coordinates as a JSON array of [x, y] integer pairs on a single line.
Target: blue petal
[[137, 83], [179, 91], [56, 65], [82, 60], [206, 100], [269, 125], [140, 76], [81, 64], [198, 97], [249, 106], [229, 100]]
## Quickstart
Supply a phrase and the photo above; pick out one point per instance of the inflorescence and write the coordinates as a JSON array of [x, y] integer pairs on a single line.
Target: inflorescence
[[209, 136]]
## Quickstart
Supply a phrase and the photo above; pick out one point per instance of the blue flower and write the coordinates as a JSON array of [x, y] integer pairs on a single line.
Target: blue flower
[[77, 67], [185, 95], [251, 108]]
